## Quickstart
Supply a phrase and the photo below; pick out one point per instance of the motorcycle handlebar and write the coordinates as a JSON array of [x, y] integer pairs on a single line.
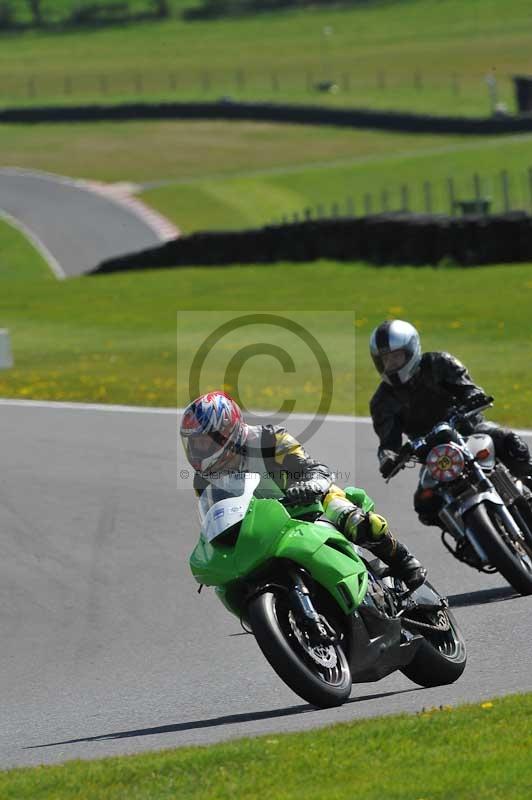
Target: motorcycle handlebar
[[408, 449], [289, 502], [406, 452], [464, 412]]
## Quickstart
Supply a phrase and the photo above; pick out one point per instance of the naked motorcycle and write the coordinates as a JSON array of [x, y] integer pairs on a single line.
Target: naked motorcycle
[[484, 512]]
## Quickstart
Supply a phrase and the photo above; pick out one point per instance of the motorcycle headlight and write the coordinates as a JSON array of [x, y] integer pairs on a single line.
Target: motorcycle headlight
[[445, 462]]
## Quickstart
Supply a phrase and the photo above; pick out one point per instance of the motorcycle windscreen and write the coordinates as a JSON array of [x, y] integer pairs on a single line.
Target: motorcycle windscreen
[[225, 504]]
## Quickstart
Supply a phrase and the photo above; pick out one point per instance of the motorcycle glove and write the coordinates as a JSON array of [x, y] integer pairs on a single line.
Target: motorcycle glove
[[387, 462], [305, 491], [475, 400]]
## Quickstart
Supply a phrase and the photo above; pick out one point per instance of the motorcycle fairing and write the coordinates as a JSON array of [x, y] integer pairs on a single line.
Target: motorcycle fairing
[[267, 533], [376, 645]]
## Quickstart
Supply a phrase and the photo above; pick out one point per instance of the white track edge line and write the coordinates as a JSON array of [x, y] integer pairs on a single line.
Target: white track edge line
[[41, 248], [56, 404], [109, 407]]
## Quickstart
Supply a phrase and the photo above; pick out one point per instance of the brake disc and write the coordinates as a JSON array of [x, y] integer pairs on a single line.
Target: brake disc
[[322, 654]]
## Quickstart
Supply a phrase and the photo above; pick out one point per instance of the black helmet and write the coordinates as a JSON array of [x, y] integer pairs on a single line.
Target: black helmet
[[396, 350]]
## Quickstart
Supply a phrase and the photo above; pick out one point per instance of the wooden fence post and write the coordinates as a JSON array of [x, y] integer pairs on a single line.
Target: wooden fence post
[[505, 191], [404, 198], [478, 193], [427, 193], [452, 196]]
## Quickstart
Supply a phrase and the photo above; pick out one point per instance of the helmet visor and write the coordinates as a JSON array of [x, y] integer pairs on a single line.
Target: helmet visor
[[201, 446], [393, 361]]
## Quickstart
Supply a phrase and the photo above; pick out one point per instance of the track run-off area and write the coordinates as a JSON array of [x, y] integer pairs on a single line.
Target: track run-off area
[[106, 646]]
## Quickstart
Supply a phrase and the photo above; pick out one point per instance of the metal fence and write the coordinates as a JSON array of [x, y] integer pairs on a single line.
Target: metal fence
[[397, 89], [479, 194]]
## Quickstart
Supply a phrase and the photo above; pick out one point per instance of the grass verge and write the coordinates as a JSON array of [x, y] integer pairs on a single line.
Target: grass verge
[[222, 175], [476, 751], [377, 176], [192, 150], [113, 338], [430, 55]]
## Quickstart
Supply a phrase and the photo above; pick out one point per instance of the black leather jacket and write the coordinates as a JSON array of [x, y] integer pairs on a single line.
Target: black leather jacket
[[415, 407]]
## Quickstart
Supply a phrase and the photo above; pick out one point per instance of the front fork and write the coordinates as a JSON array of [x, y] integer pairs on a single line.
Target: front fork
[[314, 625], [452, 514]]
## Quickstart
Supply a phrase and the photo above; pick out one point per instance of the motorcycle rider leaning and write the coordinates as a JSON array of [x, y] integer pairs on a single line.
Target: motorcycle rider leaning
[[417, 391], [217, 441]]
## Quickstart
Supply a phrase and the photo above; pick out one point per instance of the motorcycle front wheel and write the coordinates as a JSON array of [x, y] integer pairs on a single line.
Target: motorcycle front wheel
[[319, 674], [510, 554]]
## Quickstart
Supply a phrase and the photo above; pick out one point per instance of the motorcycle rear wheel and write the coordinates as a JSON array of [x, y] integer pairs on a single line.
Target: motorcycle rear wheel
[[512, 559], [297, 664], [441, 657]]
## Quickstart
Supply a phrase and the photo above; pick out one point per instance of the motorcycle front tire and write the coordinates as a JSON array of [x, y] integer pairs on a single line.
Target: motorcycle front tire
[[484, 521], [268, 614]]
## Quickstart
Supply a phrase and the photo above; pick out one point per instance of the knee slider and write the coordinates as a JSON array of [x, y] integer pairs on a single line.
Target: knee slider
[[363, 528], [378, 526]]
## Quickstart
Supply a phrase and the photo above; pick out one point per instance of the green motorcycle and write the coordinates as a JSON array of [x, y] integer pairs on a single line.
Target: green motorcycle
[[322, 610]]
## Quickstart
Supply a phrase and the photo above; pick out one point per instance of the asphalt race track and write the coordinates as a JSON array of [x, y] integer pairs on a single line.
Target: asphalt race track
[[107, 648], [74, 227]]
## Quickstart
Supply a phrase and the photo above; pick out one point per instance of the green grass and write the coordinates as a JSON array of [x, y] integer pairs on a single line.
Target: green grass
[[224, 175], [401, 54], [261, 197], [113, 338], [479, 751], [155, 151], [19, 261]]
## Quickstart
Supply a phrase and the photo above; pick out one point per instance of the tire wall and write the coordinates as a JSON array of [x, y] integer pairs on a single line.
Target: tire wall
[[381, 239], [273, 112]]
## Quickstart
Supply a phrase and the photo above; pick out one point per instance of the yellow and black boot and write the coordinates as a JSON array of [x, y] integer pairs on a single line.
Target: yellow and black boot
[[372, 532], [401, 563]]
